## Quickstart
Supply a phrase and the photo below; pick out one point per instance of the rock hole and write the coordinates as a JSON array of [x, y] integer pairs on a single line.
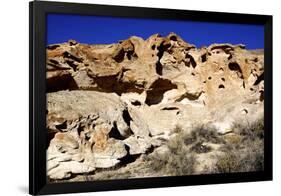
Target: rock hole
[[170, 108], [209, 78], [52, 47], [87, 136], [119, 57], [153, 47], [229, 57], [62, 125], [245, 110], [114, 133], [129, 54], [221, 86], [72, 42], [204, 58], [235, 67], [173, 38], [223, 79], [261, 95], [136, 103]]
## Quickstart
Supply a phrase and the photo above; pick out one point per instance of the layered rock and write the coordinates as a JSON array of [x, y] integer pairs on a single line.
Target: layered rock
[[109, 102]]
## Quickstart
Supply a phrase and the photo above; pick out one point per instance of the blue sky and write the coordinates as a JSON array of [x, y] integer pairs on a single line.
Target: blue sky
[[106, 30]]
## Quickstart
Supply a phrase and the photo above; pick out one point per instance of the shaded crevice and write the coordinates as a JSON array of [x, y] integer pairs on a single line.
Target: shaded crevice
[[127, 118], [173, 38], [261, 95], [230, 56], [130, 54], [136, 103], [158, 88], [259, 79], [189, 96], [128, 158], [70, 56], [62, 125], [159, 68], [51, 134], [114, 84], [161, 49], [72, 64], [114, 133], [119, 57], [170, 108], [204, 58], [61, 82], [191, 59], [236, 67], [52, 47]]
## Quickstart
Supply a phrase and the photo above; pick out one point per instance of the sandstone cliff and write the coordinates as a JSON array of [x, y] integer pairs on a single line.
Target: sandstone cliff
[[109, 106]]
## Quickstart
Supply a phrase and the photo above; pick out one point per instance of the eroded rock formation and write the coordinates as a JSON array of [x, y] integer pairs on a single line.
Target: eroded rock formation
[[109, 103]]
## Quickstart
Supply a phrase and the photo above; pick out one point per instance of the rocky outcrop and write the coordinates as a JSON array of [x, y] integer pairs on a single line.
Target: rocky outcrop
[[110, 103]]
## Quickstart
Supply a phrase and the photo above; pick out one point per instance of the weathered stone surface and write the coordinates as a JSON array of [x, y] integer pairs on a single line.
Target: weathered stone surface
[[138, 145], [106, 103]]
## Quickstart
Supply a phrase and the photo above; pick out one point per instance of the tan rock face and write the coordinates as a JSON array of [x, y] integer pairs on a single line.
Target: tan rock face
[[107, 102]]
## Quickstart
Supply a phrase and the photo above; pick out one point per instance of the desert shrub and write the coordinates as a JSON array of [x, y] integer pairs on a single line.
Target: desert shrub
[[203, 134], [227, 163], [233, 139], [178, 129], [249, 159], [251, 131], [171, 164], [199, 147], [245, 154], [176, 160]]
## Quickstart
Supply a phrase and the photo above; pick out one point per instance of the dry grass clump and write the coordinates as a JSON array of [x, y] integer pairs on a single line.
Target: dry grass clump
[[247, 154], [250, 131], [176, 159], [203, 134], [199, 147], [241, 150]]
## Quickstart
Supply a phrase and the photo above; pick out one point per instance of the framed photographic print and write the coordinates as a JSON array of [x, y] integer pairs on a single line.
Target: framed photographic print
[[131, 97]]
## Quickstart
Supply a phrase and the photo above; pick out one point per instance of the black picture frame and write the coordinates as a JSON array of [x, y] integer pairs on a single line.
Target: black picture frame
[[37, 97]]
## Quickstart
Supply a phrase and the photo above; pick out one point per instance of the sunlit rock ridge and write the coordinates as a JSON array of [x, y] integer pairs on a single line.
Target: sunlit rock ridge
[[110, 105]]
